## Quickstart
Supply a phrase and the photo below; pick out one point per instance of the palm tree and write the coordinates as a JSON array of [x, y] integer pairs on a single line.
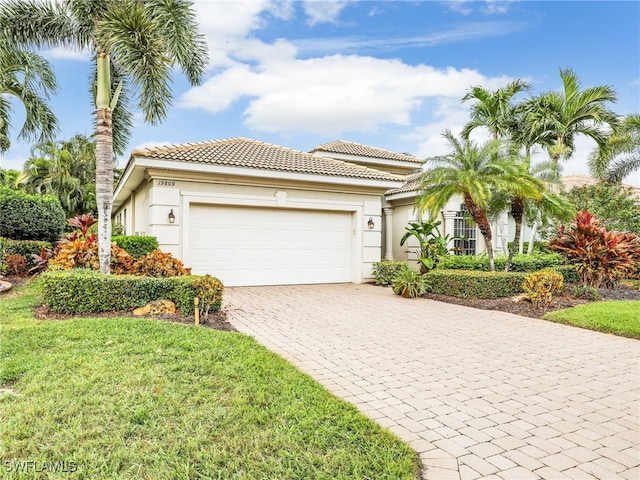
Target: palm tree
[[474, 172], [135, 45], [9, 179], [27, 77], [65, 169], [557, 118], [495, 111], [621, 156]]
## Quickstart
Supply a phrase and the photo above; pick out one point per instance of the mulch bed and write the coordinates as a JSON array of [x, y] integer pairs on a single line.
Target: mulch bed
[[527, 309]]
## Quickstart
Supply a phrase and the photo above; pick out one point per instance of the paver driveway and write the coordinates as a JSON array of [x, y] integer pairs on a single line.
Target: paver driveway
[[479, 394]]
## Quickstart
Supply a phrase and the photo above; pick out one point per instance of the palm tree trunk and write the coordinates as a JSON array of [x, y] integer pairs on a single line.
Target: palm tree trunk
[[104, 161], [517, 212], [104, 186], [480, 217]]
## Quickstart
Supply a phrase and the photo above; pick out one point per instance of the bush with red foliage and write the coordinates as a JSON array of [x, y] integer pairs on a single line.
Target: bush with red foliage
[[601, 257]]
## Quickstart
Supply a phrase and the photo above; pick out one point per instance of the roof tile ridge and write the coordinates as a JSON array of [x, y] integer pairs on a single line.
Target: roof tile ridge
[[368, 147], [181, 146], [357, 167]]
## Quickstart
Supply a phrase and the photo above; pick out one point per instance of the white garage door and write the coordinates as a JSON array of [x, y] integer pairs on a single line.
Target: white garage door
[[266, 246]]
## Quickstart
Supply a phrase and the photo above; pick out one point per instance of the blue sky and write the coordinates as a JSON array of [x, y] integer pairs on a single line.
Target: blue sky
[[385, 74]]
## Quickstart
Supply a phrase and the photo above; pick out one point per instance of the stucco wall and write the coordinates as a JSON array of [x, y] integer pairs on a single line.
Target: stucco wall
[[163, 195]]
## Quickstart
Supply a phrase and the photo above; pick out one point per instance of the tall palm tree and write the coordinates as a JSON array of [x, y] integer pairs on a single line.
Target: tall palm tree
[[621, 156], [474, 172], [65, 169], [494, 109], [135, 44], [558, 117], [27, 77]]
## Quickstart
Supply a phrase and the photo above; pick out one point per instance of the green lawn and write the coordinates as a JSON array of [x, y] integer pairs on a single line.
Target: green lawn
[[619, 317], [147, 399]]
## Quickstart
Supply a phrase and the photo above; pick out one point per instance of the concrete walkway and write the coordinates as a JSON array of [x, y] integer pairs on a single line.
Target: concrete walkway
[[478, 394]]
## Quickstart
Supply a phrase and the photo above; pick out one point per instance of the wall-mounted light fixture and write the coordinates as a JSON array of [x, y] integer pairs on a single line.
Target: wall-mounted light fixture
[[172, 217], [370, 223]]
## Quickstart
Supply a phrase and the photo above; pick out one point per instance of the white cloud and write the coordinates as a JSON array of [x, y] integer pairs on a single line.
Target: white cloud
[[60, 53], [332, 94], [461, 33], [322, 11]]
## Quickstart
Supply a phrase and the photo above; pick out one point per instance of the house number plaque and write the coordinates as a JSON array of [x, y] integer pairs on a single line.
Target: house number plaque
[[166, 183]]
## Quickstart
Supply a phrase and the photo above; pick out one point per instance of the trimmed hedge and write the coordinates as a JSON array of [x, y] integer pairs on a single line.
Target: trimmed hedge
[[520, 263], [25, 248], [30, 217], [88, 291], [136, 245], [475, 284]]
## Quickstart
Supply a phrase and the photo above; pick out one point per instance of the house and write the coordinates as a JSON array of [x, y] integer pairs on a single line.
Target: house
[[253, 213]]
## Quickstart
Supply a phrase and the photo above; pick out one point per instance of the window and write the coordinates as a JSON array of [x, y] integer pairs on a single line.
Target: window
[[463, 228]]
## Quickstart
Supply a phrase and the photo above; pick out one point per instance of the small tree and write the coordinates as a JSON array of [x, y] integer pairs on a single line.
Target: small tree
[[614, 205]]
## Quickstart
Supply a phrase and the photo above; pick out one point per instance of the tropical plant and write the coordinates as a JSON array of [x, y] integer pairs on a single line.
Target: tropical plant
[[601, 257], [494, 110], [134, 45], [541, 286], [558, 117], [474, 172], [158, 264], [410, 284], [432, 244], [210, 291], [621, 155], [9, 179], [27, 77], [65, 169]]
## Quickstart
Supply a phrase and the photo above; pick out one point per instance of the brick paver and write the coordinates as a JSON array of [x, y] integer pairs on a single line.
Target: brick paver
[[478, 394]]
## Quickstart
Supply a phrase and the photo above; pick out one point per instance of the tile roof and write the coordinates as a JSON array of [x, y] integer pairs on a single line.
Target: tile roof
[[351, 148], [412, 183], [569, 181], [243, 152]]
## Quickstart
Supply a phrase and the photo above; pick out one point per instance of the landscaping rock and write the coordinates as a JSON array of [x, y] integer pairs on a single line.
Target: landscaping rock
[[157, 307]]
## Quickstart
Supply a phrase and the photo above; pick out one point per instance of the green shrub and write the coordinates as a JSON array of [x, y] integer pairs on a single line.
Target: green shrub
[[538, 247], [475, 284], [542, 286], [520, 263], [568, 272], [88, 291], [30, 217], [410, 284], [386, 270], [587, 293], [136, 245], [26, 248]]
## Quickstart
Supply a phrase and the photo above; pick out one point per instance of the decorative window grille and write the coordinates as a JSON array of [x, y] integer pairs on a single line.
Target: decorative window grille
[[463, 228]]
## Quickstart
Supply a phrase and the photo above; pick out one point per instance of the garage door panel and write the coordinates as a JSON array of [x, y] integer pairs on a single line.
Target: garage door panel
[[263, 246]]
